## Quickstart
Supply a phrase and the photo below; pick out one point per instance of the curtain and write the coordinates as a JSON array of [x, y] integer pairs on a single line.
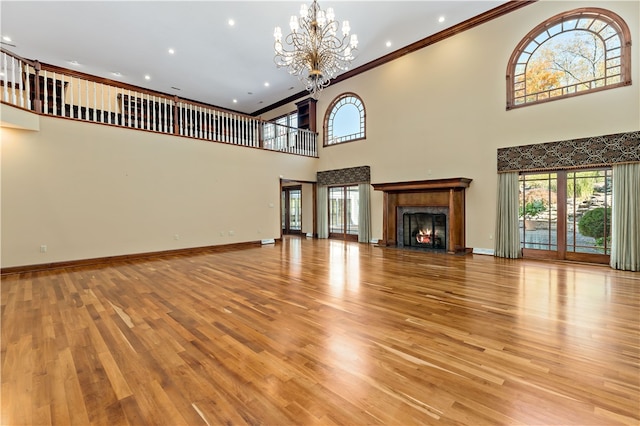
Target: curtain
[[507, 242], [625, 217], [364, 213], [323, 211]]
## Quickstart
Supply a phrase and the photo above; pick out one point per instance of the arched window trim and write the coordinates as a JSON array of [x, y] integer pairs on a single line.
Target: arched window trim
[[604, 15], [335, 105]]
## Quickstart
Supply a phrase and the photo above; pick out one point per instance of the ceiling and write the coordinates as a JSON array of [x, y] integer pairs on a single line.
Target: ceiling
[[214, 62]]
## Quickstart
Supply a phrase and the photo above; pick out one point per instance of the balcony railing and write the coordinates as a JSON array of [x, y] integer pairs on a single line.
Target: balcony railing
[[50, 90]]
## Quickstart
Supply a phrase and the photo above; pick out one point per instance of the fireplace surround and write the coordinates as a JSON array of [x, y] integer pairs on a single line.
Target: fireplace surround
[[439, 197]]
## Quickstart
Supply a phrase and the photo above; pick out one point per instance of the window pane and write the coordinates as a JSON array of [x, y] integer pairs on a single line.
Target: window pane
[[538, 211], [567, 56], [295, 211], [589, 211], [336, 209]]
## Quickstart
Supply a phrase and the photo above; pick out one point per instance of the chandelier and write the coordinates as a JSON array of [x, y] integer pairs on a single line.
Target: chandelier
[[317, 52]]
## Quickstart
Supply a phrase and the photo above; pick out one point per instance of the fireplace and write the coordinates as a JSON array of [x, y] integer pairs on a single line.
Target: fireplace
[[423, 230], [427, 214]]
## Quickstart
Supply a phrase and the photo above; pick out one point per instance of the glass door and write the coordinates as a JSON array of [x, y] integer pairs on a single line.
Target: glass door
[[291, 210], [566, 215], [344, 212]]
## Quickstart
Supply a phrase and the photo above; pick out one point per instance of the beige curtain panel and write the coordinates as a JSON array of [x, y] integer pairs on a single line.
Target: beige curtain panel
[[507, 243], [625, 217]]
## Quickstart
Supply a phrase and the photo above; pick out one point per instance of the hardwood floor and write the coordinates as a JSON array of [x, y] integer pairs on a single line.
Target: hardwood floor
[[321, 332]]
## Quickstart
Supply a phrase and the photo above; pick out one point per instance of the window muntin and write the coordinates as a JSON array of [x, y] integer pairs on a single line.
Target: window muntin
[[343, 211], [589, 211], [580, 51], [566, 211], [538, 221], [345, 120]]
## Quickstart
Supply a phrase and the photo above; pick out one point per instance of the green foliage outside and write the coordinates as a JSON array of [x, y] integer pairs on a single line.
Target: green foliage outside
[[593, 224], [532, 208]]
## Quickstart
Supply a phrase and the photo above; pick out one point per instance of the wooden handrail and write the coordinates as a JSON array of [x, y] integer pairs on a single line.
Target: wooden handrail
[[66, 93]]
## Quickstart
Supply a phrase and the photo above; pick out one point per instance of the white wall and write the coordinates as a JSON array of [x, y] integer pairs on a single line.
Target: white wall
[[441, 112], [87, 191]]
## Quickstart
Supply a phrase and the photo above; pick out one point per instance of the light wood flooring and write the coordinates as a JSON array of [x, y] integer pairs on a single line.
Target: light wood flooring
[[309, 332]]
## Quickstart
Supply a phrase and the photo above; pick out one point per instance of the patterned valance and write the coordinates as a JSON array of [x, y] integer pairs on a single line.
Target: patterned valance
[[586, 152], [351, 175]]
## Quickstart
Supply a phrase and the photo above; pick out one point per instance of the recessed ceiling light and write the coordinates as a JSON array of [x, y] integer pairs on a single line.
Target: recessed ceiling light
[[6, 38], [388, 44], [74, 62], [147, 77], [171, 51], [266, 84], [441, 19], [235, 101], [116, 74], [231, 22]]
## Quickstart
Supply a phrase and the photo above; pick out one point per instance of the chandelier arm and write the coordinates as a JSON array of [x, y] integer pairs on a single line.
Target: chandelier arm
[[313, 50]]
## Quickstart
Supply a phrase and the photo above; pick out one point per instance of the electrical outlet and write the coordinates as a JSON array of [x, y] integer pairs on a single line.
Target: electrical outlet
[[43, 248], [232, 232], [176, 237], [222, 233]]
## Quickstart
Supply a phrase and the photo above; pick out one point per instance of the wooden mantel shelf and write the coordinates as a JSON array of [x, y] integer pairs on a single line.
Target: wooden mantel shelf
[[421, 185], [449, 193]]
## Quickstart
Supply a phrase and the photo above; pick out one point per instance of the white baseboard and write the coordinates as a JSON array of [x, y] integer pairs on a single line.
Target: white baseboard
[[478, 250]]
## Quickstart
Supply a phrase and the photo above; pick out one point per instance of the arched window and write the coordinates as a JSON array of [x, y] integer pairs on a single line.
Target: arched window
[[576, 52], [344, 120]]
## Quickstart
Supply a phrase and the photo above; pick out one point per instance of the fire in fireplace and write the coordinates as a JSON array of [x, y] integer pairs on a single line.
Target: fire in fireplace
[[425, 230]]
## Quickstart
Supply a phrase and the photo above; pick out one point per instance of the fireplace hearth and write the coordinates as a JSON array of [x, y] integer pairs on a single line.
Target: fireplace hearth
[[427, 215]]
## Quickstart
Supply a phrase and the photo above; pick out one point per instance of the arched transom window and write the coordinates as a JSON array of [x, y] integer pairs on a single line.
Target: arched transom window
[[344, 120], [573, 53]]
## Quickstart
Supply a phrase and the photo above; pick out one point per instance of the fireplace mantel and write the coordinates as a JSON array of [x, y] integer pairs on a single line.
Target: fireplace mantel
[[448, 193]]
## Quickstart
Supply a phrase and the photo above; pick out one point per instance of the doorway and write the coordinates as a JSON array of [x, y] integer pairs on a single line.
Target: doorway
[[344, 212], [291, 209], [566, 214]]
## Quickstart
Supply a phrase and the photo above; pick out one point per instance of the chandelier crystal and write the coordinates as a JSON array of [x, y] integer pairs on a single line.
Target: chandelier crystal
[[314, 51]]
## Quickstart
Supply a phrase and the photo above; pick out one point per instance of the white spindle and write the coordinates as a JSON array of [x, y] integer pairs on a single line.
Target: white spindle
[[13, 80], [148, 112], [193, 123], [45, 93], [27, 86], [79, 99], [23, 93], [55, 94], [133, 111], [202, 123], [169, 112], [5, 78], [73, 100], [202, 120], [86, 93], [95, 101], [102, 111], [109, 105], [152, 110]]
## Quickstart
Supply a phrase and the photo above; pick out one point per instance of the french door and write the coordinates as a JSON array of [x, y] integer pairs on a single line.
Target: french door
[[291, 209], [566, 214], [343, 212]]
